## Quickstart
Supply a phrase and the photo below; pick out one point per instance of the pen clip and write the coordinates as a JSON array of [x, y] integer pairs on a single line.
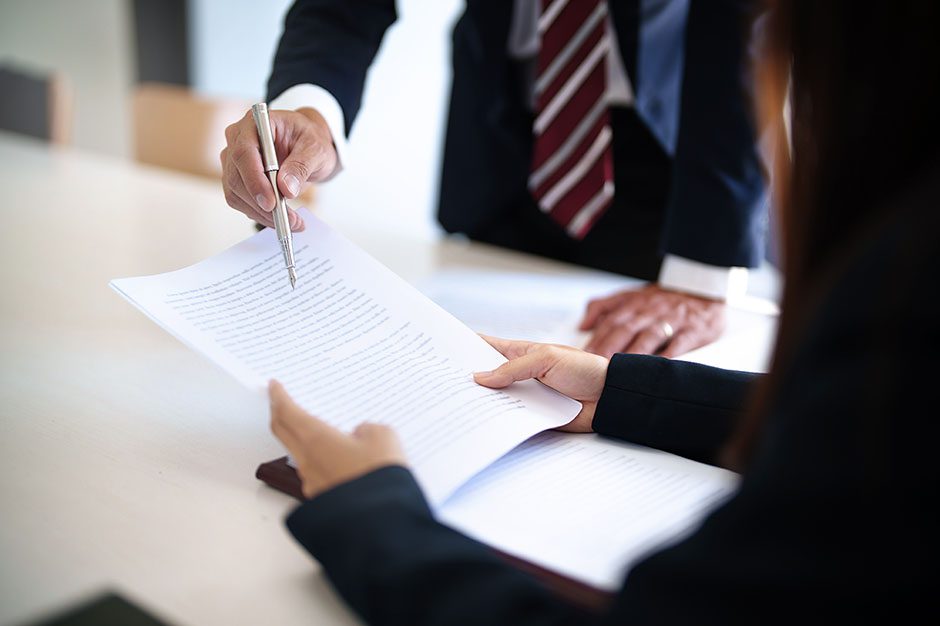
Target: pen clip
[[265, 136]]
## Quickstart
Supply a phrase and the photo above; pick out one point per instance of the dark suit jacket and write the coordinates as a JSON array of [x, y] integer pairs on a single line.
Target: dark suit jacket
[[704, 202], [836, 517]]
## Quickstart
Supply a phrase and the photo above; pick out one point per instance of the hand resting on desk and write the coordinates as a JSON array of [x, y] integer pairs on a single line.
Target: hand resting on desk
[[652, 320]]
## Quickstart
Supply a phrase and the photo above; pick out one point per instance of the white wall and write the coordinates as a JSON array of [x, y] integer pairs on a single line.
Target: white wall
[[90, 42], [391, 177], [392, 173], [231, 45]]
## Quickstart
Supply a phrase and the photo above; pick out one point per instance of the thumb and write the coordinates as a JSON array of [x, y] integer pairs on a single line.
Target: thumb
[[531, 365], [306, 161], [294, 173], [278, 396], [369, 431], [290, 416]]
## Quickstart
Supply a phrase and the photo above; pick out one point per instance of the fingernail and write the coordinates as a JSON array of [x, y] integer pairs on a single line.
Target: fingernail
[[262, 202], [293, 185], [482, 374]]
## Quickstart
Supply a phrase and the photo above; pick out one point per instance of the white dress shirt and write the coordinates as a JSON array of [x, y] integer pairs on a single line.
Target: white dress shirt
[[677, 273]]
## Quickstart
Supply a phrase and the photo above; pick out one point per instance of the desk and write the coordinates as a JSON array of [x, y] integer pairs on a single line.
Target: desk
[[126, 460]]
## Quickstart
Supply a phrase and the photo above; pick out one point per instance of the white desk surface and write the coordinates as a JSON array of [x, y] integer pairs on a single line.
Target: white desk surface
[[126, 460]]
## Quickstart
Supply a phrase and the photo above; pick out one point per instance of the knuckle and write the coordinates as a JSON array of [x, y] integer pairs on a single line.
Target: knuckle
[[231, 179], [366, 428], [255, 187], [301, 169], [240, 152], [631, 325], [381, 430], [233, 201], [371, 430]]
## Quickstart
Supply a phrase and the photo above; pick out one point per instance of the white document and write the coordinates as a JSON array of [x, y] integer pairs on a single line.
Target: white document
[[585, 506], [353, 343]]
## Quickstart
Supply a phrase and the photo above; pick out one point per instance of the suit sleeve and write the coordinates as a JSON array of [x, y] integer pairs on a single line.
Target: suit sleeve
[[331, 44], [716, 209], [680, 407], [394, 564]]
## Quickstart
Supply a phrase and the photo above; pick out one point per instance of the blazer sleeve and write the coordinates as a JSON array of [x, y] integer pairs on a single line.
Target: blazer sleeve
[[394, 564], [677, 406], [330, 43], [716, 209]]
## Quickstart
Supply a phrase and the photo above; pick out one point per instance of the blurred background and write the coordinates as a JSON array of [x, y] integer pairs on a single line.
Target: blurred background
[[157, 81]]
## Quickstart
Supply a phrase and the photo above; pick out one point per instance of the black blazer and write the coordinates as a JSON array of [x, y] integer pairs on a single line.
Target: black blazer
[[835, 521], [702, 203]]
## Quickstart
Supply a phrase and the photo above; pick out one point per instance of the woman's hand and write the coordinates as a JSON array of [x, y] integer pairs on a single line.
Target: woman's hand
[[577, 374], [325, 456]]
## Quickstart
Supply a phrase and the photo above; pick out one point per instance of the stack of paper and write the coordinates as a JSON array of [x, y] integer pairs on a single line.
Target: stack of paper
[[355, 342]]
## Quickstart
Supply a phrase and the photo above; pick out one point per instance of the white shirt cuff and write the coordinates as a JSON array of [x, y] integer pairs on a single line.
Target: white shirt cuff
[[700, 279], [316, 97]]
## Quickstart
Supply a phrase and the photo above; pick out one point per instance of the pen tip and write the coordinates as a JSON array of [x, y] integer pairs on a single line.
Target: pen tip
[[293, 279]]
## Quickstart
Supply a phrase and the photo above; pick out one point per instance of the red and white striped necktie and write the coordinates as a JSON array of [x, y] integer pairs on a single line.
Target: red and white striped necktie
[[572, 176]]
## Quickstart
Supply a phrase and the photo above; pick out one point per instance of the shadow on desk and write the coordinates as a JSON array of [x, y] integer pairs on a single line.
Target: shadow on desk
[[109, 608]]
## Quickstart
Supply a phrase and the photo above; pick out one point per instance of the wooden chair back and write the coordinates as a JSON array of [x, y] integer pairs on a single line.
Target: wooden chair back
[[181, 130]]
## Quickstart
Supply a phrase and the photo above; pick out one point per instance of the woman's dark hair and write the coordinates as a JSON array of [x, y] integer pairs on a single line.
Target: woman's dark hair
[[862, 83]]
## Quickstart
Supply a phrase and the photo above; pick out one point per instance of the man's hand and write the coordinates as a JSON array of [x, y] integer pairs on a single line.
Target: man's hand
[[575, 373], [327, 457], [652, 320], [305, 152]]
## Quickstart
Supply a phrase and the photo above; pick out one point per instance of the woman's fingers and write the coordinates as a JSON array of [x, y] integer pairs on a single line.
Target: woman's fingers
[[509, 348], [532, 365]]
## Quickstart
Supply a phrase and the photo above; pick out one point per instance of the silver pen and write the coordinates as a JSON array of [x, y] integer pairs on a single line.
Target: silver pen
[[269, 158]]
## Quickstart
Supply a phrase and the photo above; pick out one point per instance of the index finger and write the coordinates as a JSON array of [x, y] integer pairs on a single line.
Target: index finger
[[246, 157], [598, 308]]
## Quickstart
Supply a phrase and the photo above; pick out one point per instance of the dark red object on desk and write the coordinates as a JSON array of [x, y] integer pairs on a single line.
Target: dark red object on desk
[[281, 476]]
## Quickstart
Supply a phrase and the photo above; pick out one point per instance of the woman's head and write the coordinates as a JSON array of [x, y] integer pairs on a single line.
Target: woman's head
[[850, 93], [863, 87]]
